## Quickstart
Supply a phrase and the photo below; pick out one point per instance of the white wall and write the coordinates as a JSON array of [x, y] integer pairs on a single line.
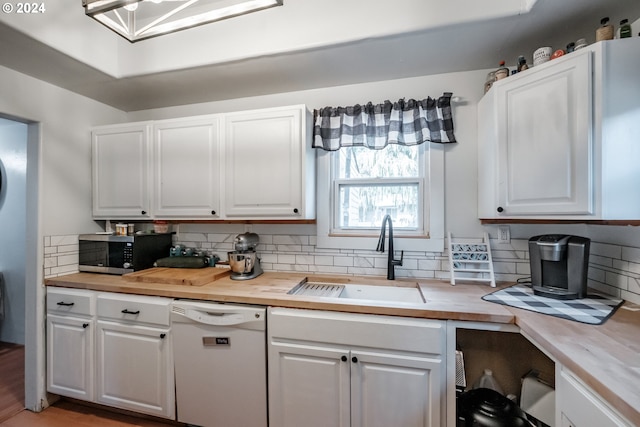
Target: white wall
[[58, 190], [13, 167], [66, 119]]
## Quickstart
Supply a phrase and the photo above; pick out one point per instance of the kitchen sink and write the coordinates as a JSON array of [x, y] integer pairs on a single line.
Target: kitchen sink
[[404, 294]]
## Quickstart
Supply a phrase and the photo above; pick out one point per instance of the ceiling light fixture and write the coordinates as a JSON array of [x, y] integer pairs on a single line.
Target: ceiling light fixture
[[137, 20]]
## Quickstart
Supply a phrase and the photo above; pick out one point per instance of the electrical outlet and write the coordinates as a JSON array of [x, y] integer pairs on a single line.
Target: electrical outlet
[[504, 235]]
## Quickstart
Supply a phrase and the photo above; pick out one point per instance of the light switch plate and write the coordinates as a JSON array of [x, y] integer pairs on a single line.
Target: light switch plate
[[504, 235]]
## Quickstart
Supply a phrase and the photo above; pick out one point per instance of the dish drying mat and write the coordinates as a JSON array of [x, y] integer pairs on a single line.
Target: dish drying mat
[[594, 309]]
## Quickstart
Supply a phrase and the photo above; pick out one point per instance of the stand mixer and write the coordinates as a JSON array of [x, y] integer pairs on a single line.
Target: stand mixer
[[244, 261]]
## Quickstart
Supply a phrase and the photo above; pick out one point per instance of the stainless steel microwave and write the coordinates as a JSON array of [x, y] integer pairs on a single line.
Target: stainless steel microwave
[[105, 253]]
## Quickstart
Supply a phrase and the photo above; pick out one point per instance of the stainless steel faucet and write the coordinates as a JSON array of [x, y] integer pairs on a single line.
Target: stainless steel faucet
[[391, 262]]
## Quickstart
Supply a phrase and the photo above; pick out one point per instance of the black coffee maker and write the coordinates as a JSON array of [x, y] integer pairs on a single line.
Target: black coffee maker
[[559, 265]]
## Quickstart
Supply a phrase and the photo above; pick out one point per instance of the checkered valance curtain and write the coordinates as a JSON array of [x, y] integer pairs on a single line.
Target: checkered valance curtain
[[375, 126]]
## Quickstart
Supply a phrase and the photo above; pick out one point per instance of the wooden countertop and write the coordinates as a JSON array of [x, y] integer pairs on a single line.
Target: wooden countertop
[[606, 357]]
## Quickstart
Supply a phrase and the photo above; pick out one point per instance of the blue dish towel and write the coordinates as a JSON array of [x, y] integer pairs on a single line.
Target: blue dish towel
[[594, 309]]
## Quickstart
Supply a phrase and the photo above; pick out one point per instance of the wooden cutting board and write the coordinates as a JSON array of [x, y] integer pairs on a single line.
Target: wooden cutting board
[[177, 276]]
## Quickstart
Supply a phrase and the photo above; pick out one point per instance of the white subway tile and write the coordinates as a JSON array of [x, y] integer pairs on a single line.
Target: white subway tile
[[343, 261], [68, 248], [605, 249], [50, 262], [605, 261], [630, 296], [323, 260], [70, 239], [616, 280], [286, 259], [631, 254], [71, 259], [304, 259]]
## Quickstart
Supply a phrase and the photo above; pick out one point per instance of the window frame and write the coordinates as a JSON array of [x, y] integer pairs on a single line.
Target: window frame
[[431, 235]]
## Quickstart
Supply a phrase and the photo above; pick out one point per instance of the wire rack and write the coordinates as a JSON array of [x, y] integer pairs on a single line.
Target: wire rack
[[471, 260]]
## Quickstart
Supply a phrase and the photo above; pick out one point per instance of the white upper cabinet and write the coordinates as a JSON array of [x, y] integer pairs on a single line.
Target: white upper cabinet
[[120, 161], [255, 164], [269, 164], [559, 141], [187, 168]]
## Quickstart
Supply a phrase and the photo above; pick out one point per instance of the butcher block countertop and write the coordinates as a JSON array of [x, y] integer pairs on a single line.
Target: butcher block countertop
[[605, 357]]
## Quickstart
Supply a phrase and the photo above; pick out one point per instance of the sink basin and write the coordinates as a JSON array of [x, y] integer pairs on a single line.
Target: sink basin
[[408, 294]]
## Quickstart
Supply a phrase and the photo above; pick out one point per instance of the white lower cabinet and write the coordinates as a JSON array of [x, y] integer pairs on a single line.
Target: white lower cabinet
[[134, 354], [578, 406], [342, 369], [395, 389], [110, 348], [308, 386], [134, 368], [70, 343]]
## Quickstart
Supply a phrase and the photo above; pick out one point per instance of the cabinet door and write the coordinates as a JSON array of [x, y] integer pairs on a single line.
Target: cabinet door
[[187, 175], [578, 406], [70, 356], [395, 390], [135, 369], [544, 140], [308, 386], [264, 164], [121, 171]]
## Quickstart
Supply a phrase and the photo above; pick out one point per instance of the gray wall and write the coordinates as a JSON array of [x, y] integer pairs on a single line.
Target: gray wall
[[13, 167]]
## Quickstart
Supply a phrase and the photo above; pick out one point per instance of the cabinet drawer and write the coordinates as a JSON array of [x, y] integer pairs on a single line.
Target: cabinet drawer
[[374, 331], [134, 308], [77, 302]]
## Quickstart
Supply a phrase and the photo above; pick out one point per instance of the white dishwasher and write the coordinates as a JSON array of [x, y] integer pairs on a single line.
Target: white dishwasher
[[220, 364]]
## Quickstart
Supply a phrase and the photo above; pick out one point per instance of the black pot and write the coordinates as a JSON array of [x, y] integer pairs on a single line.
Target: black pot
[[488, 408]]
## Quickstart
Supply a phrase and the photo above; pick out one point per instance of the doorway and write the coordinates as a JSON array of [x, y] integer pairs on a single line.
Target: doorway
[[24, 311], [13, 209], [13, 255]]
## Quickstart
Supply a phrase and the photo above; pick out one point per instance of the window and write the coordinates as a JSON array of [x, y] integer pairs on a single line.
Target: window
[[368, 184], [358, 186]]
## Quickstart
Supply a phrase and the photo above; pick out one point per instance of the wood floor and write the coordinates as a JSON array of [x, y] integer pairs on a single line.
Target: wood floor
[[63, 413], [70, 414], [11, 380]]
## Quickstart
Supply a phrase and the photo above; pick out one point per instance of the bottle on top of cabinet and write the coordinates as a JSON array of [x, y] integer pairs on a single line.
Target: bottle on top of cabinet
[[605, 30], [625, 29], [522, 63], [502, 71]]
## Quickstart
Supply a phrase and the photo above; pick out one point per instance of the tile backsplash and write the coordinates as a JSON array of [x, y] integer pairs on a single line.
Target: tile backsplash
[[613, 269]]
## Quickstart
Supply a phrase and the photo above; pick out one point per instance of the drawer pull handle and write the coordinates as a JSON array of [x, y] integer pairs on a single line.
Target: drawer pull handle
[[84, 325], [66, 304], [125, 311], [162, 336]]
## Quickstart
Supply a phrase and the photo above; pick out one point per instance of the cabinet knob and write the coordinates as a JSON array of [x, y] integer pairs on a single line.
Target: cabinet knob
[[143, 212], [500, 209], [295, 210], [84, 325], [354, 359], [213, 212], [162, 336], [343, 358]]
